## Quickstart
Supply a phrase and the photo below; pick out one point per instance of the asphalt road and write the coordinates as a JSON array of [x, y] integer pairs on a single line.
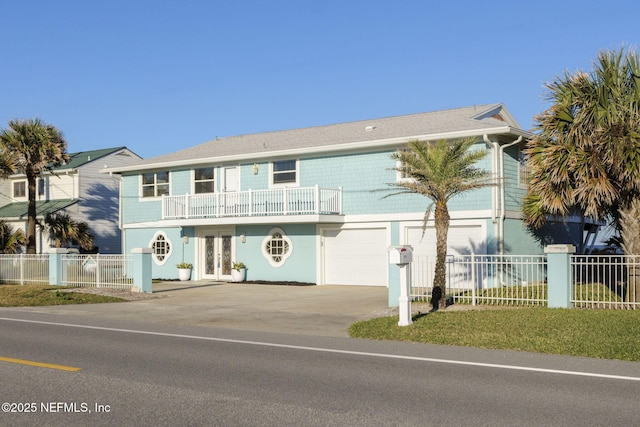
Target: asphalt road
[[145, 374]]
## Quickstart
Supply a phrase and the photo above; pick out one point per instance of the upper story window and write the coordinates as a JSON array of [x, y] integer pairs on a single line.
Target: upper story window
[[523, 169], [155, 184], [284, 172], [19, 189], [401, 174], [41, 186], [204, 181]]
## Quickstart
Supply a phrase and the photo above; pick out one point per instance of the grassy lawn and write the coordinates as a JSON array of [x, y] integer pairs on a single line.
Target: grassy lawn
[[607, 334], [36, 295]]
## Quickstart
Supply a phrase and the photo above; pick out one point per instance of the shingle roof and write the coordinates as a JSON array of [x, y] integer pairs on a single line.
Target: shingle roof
[[467, 119], [19, 209]]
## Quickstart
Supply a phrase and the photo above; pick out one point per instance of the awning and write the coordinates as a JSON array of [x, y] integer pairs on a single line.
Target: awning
[[18, 210]]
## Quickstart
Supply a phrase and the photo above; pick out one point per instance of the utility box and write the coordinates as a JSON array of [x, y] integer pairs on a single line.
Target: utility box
[[400, 255]]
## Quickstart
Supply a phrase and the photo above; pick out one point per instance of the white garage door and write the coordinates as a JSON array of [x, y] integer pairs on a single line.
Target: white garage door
[[355, 257], [461, 240]]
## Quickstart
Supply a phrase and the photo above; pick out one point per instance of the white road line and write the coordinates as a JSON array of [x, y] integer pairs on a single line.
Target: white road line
[[329, 350]]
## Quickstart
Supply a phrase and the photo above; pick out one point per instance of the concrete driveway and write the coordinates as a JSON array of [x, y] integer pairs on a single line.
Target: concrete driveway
[[319, 310], [314, 310]]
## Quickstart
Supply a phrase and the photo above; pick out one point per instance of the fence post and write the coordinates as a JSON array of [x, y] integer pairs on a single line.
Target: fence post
[[21, 258], [55, 265], [473, 279], [142, 269], [559, 275]]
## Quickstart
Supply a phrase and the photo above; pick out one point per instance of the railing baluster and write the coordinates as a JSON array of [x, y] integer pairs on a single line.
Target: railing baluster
[[279, 201]]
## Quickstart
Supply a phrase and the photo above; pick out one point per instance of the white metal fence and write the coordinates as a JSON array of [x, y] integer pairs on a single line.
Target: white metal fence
[[485, 279], [24, 268], [108, 271], [606, 281]]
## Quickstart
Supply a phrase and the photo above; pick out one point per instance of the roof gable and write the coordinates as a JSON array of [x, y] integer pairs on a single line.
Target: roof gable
[[83, 157]]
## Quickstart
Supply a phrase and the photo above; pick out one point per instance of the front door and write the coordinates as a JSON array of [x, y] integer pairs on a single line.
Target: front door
[[216, 251]]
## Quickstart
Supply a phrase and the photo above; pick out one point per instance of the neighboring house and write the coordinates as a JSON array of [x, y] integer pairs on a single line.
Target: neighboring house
[[308, 204], [76, 188]]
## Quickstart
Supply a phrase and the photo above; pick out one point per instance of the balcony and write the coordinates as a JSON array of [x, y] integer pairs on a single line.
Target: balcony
[[254, 203]]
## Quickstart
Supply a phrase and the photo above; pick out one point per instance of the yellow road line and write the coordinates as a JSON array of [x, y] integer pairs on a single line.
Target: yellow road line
[[40, 364]]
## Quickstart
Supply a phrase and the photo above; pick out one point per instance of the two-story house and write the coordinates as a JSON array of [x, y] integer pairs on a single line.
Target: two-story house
[[309, 204], [76, 188]]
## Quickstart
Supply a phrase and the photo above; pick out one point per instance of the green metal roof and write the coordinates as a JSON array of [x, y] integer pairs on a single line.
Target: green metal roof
[[83, 157], [19, 209]]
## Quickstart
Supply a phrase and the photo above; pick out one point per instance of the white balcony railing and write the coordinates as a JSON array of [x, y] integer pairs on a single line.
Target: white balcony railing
[[278, 201]]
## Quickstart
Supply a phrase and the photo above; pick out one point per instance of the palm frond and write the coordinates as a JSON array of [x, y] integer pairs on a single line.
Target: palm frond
[[586, 152]]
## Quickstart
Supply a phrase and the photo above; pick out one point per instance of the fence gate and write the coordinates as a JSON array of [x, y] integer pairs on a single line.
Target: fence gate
[[109, 271]]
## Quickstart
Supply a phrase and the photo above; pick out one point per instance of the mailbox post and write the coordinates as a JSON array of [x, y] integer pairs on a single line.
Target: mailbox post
[[402, 256]]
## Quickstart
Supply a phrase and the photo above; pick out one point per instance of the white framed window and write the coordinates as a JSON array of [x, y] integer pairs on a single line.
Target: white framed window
[[19, 189], [161, 248], [155, 184], [284, 172], [41, 186], [277, 247], [204, 180], [401, 176], [523, 169]]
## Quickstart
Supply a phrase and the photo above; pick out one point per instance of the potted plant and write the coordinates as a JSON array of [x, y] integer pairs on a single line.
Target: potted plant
[[184, 271], [238, 272]]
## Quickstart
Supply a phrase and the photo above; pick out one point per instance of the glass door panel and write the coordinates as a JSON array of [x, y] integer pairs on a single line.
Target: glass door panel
[[209, 255], [216, 255], [225, 253]]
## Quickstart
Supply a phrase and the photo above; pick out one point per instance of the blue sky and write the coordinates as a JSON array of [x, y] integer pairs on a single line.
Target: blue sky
[[159, 76]]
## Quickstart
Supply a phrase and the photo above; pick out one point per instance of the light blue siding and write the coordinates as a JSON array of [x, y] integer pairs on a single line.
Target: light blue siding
[[365, 179], [251, 181], [518, 240], [490, 242], [300, 266], [133, 209], [514, 193], [180, 251], [181, 181], [393, 279]]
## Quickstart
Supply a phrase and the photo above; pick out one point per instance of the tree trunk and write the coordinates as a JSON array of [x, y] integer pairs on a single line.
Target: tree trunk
[[630, 234], [439, 292], [31, 212], [632, 293]]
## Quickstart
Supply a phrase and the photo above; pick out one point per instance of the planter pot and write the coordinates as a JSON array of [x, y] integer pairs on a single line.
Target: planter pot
[[184, 274], [238, 275]]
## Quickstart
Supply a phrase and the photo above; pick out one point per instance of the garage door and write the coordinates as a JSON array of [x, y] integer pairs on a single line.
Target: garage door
[[355, 257], [461, 240]]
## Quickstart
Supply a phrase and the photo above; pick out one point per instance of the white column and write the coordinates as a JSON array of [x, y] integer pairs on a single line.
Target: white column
[[404, 302]]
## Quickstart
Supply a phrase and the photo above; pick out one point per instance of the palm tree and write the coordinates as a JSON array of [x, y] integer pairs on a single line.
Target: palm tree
[[585, 156], [439, 171], [32, 147], [10, 240], [64, 229], [83, 236], [8, 162]]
